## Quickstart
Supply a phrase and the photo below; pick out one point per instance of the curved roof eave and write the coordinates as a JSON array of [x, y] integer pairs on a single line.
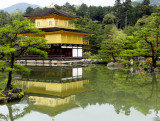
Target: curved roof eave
[[50, 11]]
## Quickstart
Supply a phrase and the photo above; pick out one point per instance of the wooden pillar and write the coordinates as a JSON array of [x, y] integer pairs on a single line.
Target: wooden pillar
[[66, 51], [61, 51]]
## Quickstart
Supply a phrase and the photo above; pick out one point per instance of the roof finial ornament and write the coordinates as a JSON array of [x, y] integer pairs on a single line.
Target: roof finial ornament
[[51, 6]]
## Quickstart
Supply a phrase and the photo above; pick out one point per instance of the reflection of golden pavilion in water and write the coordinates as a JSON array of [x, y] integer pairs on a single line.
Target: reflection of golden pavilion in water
[[55, 97], [56, 91], [51, 102]]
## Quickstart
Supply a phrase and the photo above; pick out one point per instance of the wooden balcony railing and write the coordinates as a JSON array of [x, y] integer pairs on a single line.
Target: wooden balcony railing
[[61, 24], [50, 57]]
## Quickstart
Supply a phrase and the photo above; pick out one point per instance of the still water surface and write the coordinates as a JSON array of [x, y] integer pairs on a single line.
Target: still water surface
[[93, 93]]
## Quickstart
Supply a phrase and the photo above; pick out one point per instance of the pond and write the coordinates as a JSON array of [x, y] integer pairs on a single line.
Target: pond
[[93, 93]]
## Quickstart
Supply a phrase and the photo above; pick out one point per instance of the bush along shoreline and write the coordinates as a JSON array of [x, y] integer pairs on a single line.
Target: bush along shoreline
[[145, 65]]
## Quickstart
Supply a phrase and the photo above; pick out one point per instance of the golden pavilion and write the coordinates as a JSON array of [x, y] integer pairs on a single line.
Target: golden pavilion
[[65, 40]]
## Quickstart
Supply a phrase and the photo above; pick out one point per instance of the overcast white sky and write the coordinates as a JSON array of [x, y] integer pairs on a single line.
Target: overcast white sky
[[7, 3]]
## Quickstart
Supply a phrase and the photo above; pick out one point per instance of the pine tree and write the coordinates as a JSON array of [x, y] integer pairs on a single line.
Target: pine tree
[[17, 45], [29, 10], [151, 37], [111, 46]]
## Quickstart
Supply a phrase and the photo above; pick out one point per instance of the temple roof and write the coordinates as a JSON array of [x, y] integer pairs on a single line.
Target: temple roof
[[50, 11], [54, 29]]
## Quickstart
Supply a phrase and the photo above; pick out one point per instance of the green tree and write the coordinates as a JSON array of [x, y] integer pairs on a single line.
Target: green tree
[[146, 7], [145, 35], [68, 8], [151, 37], [17, 15], [117, 7], [91, 26], [58, 7], [98, 13], [29, 10], [129, 48], [146, 2], [83, 10], [108, 19], [4, 18], [128, 12], [16, 45], [129, 30], [111, 45], [37, 9]]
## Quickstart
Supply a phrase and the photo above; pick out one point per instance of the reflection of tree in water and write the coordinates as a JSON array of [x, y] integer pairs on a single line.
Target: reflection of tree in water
[[157, 118], [14, 112], [122, 89], [4, 117], [122, 109]]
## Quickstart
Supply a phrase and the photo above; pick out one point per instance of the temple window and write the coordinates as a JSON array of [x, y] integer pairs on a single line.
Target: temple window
[[50, 23]]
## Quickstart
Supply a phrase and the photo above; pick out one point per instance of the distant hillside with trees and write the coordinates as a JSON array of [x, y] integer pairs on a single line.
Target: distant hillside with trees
[[21, 6]]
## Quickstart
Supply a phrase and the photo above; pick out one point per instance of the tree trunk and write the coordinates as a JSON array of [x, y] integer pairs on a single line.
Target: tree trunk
[[117, 23], [8, 86], [154, 61], [112, 55], [157, 40], [154, 58], [126, 20]]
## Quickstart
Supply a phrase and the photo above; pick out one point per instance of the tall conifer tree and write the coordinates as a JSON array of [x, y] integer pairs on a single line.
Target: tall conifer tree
[[127, 11], [117, 6], [146, 2], [146, 8]]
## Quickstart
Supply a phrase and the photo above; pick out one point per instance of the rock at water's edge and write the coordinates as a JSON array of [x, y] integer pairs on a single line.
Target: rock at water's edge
[[14, 94], [157, 69], [111, 64]]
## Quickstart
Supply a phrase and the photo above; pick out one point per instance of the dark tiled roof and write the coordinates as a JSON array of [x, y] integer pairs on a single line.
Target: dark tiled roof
[[53, 29], [49, 11]]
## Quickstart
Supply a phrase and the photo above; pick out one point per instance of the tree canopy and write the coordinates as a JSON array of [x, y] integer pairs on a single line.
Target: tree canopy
[[14, 44]]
